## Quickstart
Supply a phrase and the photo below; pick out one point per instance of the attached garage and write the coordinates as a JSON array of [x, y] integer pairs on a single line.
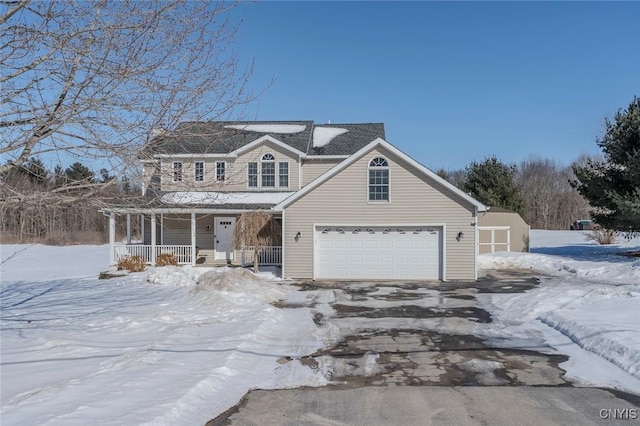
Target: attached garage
[[379, 215], [378, 252]]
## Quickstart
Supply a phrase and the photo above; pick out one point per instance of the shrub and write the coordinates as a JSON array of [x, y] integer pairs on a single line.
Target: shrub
[[603, 236], [131, 264], [165, 259]]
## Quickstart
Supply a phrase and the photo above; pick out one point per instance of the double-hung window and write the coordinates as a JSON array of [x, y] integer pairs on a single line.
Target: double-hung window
[[199, 171], [252, 174], [283, 174], [220, 171], [177, 171], [268, 171], [379, 179]]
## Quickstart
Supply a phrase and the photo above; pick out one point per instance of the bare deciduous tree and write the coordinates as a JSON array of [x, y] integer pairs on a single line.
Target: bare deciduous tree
[[257, 229], [93, 80], [550, 201]]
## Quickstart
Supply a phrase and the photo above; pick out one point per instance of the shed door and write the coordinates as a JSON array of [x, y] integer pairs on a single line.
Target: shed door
[[494, 238], [378, 253]]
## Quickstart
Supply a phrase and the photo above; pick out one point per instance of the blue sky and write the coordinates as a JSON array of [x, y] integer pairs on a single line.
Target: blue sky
[[453, 82]]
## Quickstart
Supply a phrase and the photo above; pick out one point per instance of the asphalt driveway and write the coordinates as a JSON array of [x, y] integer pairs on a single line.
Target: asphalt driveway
[[408, 356]]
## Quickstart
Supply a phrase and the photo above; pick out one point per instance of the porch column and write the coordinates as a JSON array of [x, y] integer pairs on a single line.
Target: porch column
[[112, 238], [128, 228], [162, 228], [193, 239], [142, 228], [153, 239]]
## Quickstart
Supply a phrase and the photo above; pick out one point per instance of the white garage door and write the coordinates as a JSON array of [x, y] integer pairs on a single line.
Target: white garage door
[[378, 252]]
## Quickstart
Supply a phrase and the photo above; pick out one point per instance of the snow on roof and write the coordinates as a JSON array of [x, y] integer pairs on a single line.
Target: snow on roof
[[219, 198], [324, 135], [269, 128]]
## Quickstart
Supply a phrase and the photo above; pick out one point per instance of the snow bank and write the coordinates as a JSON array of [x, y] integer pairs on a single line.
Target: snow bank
[[587, 307]]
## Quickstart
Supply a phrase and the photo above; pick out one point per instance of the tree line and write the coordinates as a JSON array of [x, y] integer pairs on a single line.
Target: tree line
[[539, 189], [41, 217]]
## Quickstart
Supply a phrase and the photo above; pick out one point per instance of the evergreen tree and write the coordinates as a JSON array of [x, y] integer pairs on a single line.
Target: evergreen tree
[[78, 173], [612, 186], [35, 170], [105, 176], [493, 183], [59, 176]]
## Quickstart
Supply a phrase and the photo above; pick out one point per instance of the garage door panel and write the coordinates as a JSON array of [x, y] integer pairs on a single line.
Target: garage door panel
[[378, 252]]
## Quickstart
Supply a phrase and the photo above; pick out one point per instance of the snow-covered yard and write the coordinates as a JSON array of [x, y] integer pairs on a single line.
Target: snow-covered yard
[[152, 347], [181, 345]]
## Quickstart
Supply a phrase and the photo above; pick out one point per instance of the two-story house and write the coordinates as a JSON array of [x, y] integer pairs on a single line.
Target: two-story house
[[351, 205]]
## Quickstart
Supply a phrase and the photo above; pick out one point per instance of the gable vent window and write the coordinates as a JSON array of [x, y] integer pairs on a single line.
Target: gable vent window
[[177, 171], [252, 174], [379, 179], [220, 170], [268, 171], [199, 171]]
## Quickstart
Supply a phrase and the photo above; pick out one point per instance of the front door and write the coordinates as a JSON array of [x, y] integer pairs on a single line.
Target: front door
[[224, 238]]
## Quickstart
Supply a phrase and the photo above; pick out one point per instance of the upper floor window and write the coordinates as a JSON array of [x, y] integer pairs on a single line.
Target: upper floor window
[[379, 179], [283, 174], [199, 171], [252, 174], [220, 170], [177, 171], [268, 171]]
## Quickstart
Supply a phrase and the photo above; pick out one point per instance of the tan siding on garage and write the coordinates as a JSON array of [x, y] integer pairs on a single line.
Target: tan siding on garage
[[414, 199], [312, 169]]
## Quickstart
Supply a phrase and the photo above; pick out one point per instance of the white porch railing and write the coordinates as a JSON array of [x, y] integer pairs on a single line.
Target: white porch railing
[[267, 256], [182, 253]]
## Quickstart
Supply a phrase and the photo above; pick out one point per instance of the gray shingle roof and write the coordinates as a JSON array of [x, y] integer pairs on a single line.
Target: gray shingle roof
[[217, 137]]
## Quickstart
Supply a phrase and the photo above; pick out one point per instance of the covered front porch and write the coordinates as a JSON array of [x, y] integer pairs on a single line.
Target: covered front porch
[[194, 237]]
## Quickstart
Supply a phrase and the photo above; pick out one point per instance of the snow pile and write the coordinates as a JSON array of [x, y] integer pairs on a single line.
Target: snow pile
[[179, 276], [269, 128], [586, 308], [324, 135]]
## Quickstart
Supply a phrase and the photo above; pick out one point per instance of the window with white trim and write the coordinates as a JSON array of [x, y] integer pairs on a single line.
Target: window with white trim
[[177, 171], [221, 167], [379, 179], [198, 169], [268, 171], [283, 174], [252, 174]]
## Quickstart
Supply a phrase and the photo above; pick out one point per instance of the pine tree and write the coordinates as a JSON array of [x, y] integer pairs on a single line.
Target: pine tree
[[493, 183], [612, 186], [78, 173]]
